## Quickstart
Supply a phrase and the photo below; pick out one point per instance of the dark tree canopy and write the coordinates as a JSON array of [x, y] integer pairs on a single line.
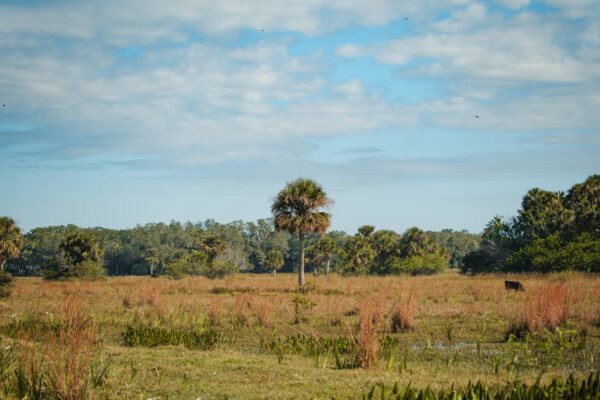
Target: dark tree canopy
[[552, 232]]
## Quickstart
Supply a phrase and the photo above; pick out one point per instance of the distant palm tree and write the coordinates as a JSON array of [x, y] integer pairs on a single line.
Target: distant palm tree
[[11, 240], [296, 209]]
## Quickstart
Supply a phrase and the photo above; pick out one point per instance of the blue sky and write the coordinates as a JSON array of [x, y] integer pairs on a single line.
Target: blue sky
[[437, 114]]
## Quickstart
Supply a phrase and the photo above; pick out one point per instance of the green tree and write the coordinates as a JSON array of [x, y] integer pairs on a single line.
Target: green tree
[[323, 252], [541, 214], [274, 261], [153, 258], [366, 230], [583, 200], [297, 210], [386, 244], [358, 255], [81, 257], [11, 240]]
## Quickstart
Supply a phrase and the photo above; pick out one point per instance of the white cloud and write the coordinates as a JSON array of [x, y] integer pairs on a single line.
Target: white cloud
[[513, 4], [193, 104], [524, 49], [148, 20]]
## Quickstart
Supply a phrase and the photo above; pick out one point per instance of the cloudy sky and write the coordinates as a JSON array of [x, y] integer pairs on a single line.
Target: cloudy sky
[[434, 113]]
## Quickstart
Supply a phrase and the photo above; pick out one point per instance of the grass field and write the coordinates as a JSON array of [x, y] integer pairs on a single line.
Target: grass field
[[256, 336]]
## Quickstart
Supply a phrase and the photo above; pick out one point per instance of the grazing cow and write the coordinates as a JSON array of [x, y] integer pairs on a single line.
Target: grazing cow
[[514, 285]]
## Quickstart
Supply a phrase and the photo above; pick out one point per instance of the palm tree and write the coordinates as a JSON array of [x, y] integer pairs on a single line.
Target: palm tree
[[11, 240], [323, 252], [274, 260], [296, 209]]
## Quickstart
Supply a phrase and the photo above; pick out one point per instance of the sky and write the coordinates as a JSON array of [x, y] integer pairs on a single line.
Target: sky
[[433, 113]]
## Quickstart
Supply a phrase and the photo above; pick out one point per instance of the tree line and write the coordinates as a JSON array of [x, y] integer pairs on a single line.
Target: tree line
[[213, 249], [552, 231]]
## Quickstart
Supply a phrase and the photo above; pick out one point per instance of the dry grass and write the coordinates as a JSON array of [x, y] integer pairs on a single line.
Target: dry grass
[[366, 339], [58, 366], [546, 308], [403, 314]]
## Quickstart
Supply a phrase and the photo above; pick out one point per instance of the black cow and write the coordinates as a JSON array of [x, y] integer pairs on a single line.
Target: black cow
[[514, 285]]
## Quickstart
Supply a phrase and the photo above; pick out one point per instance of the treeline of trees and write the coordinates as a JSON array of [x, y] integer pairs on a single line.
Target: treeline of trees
[[213, 249], [553, 231]]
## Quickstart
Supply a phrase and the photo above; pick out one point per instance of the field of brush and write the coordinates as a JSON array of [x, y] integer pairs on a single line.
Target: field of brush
[[257, 336]]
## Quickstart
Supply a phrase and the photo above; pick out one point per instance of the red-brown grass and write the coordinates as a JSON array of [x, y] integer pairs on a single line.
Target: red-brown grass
[[366, 339], [58, 366], [403, 313], [69, 354], [546, 308]]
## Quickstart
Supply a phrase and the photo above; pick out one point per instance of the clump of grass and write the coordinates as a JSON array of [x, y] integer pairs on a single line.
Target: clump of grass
[[151, 336], [302, 305], [215, 312], [69, 360], [243, 307], [263, 312], [546, 308], [366, 339], [403, 314], [58, 368], [127, 302]]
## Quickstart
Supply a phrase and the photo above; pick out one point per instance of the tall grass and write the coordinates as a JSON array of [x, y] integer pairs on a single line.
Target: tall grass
[[403, 313], [54, 366], [546, 308], [366, 339]]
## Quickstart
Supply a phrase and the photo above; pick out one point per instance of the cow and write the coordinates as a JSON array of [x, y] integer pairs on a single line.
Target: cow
[[514, 285]]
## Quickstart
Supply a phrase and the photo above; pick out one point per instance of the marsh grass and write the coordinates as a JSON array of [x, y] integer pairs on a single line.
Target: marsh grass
[[53, 366], [545, 309], [366, 335], [323, 359], [403, 314]]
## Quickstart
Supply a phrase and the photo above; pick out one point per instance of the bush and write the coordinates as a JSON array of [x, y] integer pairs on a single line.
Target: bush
[[426, 264], [85, 270], [6, 283], [198, 263]]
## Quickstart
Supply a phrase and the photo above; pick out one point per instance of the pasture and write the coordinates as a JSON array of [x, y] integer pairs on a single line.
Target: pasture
[[257, 336]]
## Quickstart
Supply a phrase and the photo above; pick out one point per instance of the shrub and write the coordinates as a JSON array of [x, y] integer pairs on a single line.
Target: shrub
[[88, 269], [6, 283], [199, 263], [425, 264], [403, 314]]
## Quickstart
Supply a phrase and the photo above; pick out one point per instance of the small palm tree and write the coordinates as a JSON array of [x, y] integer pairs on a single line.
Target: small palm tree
[[11, 240], [323, 252], [274, 260], [297, 210]]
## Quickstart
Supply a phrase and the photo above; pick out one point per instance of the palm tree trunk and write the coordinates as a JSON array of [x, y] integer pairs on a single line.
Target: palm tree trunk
[[327, 266], [301, 266]]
